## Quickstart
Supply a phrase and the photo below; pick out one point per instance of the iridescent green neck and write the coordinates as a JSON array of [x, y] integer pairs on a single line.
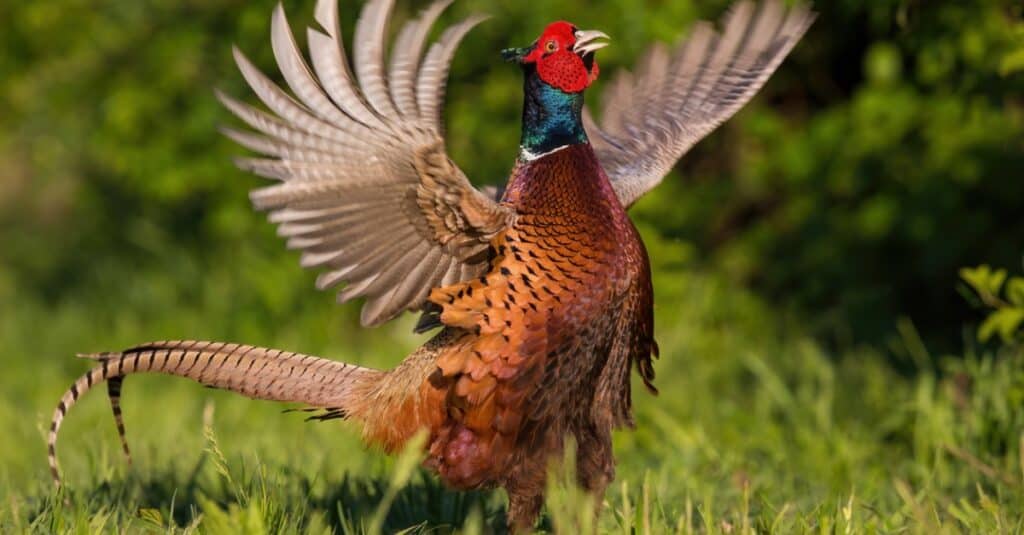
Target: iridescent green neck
[[551, 117]]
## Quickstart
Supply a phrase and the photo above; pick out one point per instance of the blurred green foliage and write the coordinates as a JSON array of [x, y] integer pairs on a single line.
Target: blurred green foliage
[[1004, 300], [886, 153]]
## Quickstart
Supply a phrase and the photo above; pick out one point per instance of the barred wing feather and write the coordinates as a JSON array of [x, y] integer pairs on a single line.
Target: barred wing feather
[[367, 191], [651, 118]]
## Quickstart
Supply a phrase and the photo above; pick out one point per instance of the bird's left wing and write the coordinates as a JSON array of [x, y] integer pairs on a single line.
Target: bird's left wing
[[366, 188], [650, 119]]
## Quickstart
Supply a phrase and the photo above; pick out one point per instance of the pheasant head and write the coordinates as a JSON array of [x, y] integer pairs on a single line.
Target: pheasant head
[[558, 67], [563, 56]]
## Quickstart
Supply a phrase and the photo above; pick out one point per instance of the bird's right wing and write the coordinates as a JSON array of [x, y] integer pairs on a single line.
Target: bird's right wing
[[366, 188], [650, 119]]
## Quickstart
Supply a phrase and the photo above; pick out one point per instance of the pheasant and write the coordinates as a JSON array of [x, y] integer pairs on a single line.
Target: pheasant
[[541, 292]]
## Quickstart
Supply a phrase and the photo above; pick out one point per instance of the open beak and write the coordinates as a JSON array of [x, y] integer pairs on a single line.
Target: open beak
[[589, 41]]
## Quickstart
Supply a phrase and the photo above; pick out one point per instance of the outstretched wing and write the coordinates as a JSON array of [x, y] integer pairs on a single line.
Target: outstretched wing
[[650, 119], [366, 188]]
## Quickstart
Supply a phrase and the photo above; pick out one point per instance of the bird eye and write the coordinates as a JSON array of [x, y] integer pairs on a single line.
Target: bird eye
[[551, 46]]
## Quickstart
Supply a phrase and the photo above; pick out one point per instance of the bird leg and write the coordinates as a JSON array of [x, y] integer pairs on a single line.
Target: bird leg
[[523, 511], [595, 464]]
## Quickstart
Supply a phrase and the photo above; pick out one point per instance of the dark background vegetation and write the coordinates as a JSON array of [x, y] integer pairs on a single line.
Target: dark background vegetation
[[886, 154]]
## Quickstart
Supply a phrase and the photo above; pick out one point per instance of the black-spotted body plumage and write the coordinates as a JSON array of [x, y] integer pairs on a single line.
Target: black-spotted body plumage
[[543, 295]]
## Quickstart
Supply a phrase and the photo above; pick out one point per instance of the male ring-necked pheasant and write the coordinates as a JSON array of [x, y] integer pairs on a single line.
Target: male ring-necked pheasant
[[543, 295]]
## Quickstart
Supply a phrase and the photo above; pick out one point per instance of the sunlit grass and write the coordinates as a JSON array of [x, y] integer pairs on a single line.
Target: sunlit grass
[[757, 429]]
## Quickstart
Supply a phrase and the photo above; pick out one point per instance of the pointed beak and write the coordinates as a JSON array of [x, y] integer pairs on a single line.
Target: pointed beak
[[589, 41]]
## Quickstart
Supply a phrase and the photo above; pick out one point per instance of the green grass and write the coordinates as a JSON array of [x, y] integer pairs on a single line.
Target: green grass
[[877, 161], [757, 428]]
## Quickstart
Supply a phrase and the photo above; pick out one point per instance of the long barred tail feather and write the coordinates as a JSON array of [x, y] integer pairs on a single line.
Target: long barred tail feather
[[114, 393], [256, 372]]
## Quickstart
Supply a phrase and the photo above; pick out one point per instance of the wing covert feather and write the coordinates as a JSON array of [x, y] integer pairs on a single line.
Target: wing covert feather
[[651, 118], [366, 189]]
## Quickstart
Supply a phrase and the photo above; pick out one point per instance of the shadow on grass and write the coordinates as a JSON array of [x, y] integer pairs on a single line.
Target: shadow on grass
[[175, 498]]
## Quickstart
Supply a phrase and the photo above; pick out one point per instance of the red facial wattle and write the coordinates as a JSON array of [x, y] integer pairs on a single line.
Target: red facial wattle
[[565, 71], [557, 63]]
